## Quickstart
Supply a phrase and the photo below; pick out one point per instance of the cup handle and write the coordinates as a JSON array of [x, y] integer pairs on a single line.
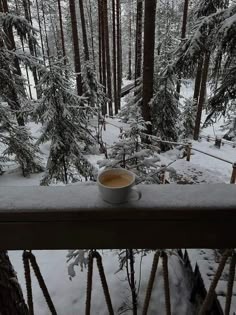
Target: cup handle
[[135, 194]]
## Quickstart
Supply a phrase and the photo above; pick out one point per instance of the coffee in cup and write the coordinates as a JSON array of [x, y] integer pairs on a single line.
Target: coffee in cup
[[116, 186]]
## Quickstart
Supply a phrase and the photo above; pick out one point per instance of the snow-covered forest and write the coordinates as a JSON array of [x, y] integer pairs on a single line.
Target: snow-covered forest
[[137, 84]]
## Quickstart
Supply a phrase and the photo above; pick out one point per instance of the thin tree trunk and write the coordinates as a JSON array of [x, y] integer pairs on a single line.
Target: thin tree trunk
[[114, 55], [108, 63], [104, 76], [11, 296], [61, 31], [26, 5], [76, 47], [198, 80], [119, 76], [27, 72], [84, 32], [11, 42], [55, 35], [40, 32], [130, 43], [148, 63], [100, 41], [46, 35], [132, 282], [183, 35], [138, 43], [202, 95], [89, 9]]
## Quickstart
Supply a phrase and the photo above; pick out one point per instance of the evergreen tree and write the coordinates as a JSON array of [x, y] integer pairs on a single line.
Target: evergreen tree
[[16, 138], [188, 118], [133, 103], [131, 153], [62, 114], [17, 142], [164, 108]]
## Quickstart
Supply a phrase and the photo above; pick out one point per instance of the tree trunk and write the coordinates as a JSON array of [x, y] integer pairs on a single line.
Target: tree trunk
[[119, 75], [183, 35], [89, 9], [104, 67], [114, 55], [76, 46], [61, 31], [11, 42], [132, 282], [148, 63], [45, 30], [26, 5], [11, 296], [202, 95], [100, 42], [108, 63], [129, 77], [84, 32], [138, 43], [198, 80], [40, 32]]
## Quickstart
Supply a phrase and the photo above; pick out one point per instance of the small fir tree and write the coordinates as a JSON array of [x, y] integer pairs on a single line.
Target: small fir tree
[[63, 116], [131, 153], [188, 118], [164, 107], [133, 103]]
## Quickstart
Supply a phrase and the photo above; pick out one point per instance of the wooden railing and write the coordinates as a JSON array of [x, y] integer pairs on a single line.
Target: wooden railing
[[167, 216]]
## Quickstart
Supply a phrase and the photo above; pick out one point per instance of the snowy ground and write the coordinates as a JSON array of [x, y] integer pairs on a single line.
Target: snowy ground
[[69, 295]]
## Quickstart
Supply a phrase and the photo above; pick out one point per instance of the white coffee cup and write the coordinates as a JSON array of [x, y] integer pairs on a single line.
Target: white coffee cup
[[116, 186]]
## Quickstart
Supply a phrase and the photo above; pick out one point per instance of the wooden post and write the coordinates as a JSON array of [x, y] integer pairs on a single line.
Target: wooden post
[[218, 142], [104, 125], [189, 149], [233, 177], [163, 173]]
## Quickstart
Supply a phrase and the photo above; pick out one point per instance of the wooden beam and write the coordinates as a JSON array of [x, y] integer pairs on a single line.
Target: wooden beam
[[167, 216]]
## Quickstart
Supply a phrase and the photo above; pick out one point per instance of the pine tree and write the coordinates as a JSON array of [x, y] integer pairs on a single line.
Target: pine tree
[[63, 117], [165, 108]]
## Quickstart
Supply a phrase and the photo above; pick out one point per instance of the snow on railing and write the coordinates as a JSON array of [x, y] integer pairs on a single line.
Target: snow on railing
[[62, 216], [75, 217]]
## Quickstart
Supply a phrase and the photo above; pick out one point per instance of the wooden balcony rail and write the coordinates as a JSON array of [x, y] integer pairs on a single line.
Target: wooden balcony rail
[[167, 216]]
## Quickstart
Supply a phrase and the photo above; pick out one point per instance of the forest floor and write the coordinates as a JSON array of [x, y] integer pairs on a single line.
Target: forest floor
[[69, 295]]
